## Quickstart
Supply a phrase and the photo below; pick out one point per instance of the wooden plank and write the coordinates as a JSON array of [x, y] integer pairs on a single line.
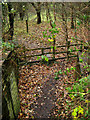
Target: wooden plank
[[42, 47], [60, 52], [22, 63], [48, 47], [60, 46], [47, 53], [34, 49], [76, 39], [75, 44], [43, 54], [31, 56]]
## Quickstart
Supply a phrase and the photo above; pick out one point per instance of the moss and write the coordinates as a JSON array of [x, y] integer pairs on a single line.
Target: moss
[[10, 93], [14, 94]]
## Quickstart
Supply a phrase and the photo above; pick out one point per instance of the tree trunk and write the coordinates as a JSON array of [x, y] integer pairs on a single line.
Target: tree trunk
[[64, 18], [63, 13], [5, 111], [47, 16], [21, 15], [11, 22], [72, 22], [77, 73], [38, 10], [27, 23], [38, 17], [54, 11]]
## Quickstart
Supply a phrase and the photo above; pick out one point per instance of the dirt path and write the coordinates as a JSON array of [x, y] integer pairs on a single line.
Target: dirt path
[[39, 90], [47, 101]]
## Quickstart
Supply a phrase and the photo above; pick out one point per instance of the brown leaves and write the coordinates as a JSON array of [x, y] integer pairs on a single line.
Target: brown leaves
[[36, 78]]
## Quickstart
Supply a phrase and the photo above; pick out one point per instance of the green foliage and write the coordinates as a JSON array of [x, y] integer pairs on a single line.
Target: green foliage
[[77, 111], [80, 86], [43, 57], [60, 71], [81, 60], [12, 11], [65, 71], [78, 22], [7, 45], [38, 57], [85, 17], [78, 89], [52, 32], [72, 38], [51, 37]]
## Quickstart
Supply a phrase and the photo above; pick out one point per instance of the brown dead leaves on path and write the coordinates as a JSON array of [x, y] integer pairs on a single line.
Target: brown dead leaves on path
[[40, 92]]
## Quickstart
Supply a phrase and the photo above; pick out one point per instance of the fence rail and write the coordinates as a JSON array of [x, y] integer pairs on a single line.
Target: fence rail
[[37, 61], [42, 50], [48, 47]]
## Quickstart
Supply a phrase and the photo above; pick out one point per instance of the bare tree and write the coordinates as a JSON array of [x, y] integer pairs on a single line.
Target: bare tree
[[72, 16], [54, 11], [37, 7]]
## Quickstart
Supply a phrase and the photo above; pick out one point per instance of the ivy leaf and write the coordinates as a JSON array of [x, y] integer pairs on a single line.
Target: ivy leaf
[[51, 47], [80, 60], [56, 73], [78, 22], [55, 48], [59, 29], [68, 69], [86, 113], [85, 17], [74, 114], [72, 38], [42, 56], [56, 77], [76, 109], [69, 89], [65, 72], [49, 36], [46, 58], [60, 72], [50, 40], [38, 57], [44, 35], [72, 68]]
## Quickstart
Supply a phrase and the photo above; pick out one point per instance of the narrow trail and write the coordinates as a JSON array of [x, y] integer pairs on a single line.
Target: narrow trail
[[47, 101], [37, 89]]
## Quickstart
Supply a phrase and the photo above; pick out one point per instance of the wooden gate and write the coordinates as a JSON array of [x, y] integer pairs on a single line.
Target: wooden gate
[[70, 51]]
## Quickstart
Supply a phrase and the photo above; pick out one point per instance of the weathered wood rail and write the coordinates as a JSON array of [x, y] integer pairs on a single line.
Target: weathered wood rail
[[54, 52]]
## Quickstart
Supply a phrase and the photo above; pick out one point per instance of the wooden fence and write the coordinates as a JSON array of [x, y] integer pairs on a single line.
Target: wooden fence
[[54, 52]]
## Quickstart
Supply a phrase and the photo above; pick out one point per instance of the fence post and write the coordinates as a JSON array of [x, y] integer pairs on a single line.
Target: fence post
[[78, 69], [42, 51], [68, 46], [54, 49], [81, 46]]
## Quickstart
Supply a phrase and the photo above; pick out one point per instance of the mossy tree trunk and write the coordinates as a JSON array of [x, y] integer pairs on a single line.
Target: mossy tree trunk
[[11, 22]]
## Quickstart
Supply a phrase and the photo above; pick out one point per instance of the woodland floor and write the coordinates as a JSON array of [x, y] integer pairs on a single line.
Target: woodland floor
[[34, 38], [41, 96], [40, 93]]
